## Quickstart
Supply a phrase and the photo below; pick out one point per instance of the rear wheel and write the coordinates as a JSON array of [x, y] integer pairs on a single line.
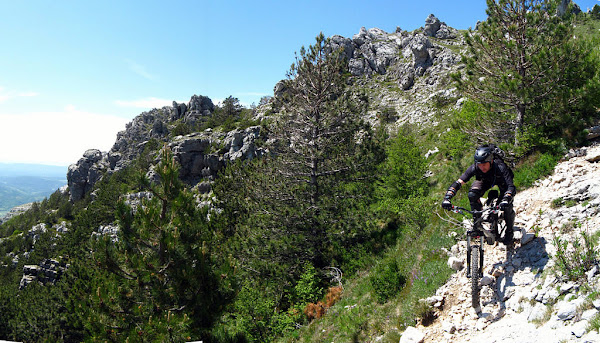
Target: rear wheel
[[475, 273]]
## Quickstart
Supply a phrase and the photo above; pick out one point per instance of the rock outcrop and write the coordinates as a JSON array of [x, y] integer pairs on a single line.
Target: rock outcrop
[[202, 155], [373, 51], [82, 176], [15, 211], [46, 272]]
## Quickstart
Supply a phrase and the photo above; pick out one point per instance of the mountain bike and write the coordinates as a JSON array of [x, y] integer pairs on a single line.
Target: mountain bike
[[488, 224]]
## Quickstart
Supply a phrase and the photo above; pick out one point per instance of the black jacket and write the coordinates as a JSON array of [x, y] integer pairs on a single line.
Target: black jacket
[[499, 174]]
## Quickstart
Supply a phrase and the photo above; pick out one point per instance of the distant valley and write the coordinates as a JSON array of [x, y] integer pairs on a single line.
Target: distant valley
[[25, 183]]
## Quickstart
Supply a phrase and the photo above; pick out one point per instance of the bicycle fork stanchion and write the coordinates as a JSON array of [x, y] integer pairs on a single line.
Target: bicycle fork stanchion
[[468, 254], [480, 257]]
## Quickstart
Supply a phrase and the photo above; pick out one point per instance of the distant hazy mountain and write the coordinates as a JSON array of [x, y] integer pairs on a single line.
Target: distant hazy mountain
[[25, 183]]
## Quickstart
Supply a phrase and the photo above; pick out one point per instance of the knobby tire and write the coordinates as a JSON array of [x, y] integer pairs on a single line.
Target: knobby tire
[[475, 273]]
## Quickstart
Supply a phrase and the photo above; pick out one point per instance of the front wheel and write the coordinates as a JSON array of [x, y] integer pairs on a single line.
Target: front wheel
[[475, 273]]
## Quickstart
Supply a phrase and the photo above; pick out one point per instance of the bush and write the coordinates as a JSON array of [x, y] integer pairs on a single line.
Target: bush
[[402, 174], [307, 289], [386, 280], [534, 168], [575, 258], [315, 311]]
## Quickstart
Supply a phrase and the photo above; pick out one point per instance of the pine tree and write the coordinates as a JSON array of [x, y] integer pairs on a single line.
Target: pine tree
[[306, 203], [231, 107], [160, 285], [309, 196], [521, 57]]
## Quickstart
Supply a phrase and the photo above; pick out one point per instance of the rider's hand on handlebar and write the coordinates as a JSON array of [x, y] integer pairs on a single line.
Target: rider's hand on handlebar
[[446, 204], [503, 205]]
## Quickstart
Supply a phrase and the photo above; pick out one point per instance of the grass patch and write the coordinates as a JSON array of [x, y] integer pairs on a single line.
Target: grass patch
[[546, 317], [533, 168], [594, 323], [575, 257]]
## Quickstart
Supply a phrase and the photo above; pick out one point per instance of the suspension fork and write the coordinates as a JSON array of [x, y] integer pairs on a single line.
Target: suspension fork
[[480, 257], [468, 254]]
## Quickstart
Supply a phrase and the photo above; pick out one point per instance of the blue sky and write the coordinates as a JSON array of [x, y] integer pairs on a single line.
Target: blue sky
[[73, 73]]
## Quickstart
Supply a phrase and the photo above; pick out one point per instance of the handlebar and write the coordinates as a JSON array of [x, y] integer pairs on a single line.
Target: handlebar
[[462, 210]]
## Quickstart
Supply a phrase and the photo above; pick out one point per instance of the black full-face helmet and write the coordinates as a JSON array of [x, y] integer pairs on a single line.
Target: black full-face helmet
[[484, 154]]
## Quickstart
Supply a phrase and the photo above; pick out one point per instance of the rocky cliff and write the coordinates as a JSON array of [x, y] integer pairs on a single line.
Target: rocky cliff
[[406, 75]]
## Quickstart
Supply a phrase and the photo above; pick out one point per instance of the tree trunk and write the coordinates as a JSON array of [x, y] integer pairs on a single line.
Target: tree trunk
[[314, 162], [519, 122]]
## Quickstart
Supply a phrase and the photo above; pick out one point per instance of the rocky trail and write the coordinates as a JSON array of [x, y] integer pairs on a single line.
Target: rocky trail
[[523, 298]]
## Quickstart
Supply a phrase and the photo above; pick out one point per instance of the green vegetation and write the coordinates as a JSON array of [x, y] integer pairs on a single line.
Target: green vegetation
[[533, 168], [334, 236], [532, 74], [386, 280], [574, 258]]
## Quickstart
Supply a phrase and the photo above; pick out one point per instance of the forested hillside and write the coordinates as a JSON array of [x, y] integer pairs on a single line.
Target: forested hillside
[[22, 183], [314, 215]]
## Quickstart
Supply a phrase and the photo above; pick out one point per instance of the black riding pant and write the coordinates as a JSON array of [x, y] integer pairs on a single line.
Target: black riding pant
[[477, 190]]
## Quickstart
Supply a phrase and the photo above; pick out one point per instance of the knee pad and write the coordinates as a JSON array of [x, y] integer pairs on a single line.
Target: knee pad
[[474, 195], [474, 199]]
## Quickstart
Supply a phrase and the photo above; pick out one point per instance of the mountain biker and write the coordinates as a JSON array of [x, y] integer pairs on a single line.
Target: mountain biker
[[488, 172]]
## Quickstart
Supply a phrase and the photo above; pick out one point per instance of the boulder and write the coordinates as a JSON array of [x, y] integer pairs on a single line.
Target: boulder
[[47, 272], [202, 104], [178, 110], [419, 47], [342, 43], [432, 26], [412, 335], [538, 312], [566, 310], [446, 32], [455, 263]]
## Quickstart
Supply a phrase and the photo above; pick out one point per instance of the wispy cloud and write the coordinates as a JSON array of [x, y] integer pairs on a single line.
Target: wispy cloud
[[140, 70], [7, 95], [148, 103]]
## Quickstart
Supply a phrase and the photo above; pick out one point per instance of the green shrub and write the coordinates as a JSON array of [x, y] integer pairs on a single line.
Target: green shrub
[[556, 203], [574, 259], [181, 129], [387, 115], [386, 280], [533, 169], [455, 143], [307, 289]]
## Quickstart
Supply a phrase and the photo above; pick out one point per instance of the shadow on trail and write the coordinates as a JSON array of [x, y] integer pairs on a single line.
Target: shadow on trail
[[523, 265]]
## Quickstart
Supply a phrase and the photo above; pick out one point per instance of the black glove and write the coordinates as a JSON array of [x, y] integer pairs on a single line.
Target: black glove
[[503, 204], [446, 204]]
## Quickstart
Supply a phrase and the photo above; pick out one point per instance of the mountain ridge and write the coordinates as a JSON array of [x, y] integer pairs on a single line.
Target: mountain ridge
[[417, 63]]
